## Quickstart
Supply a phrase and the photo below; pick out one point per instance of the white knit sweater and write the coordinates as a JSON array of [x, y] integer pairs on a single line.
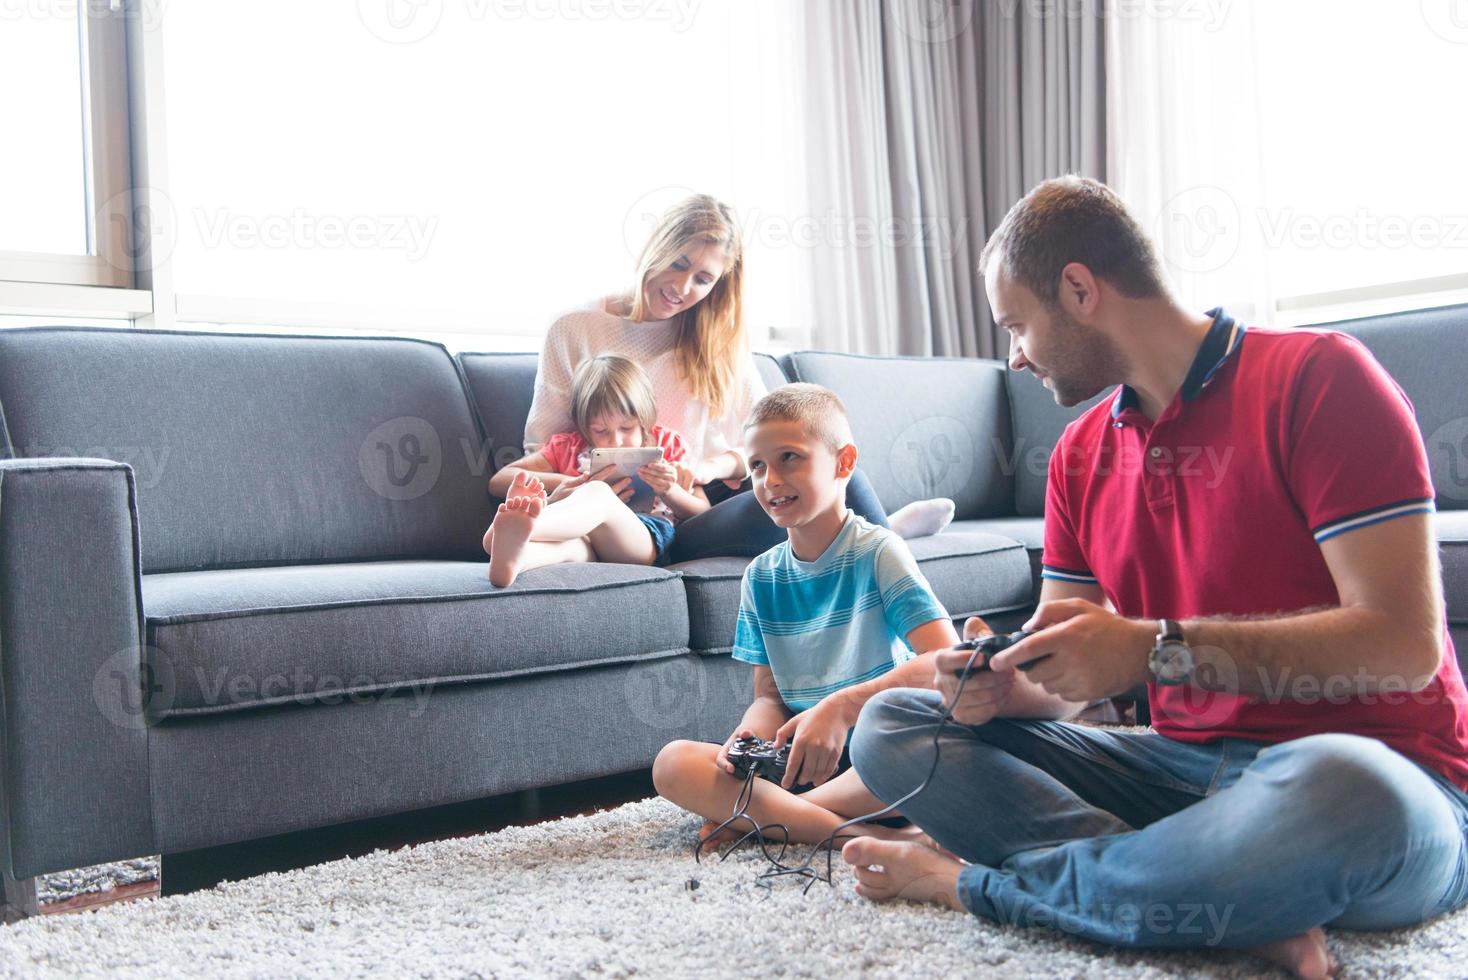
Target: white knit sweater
[[591, 330]]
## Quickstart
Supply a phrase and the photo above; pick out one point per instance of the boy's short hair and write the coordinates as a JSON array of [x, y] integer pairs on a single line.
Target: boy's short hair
[[610, 384], [816, 409], [1074, 219]]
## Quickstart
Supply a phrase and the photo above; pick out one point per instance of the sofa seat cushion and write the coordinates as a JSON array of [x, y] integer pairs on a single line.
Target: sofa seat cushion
[[1028, 531], [1452, 542], [227, 640], [971, 574]]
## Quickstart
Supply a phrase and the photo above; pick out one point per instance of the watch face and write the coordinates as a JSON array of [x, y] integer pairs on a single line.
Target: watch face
[[1173, 662]]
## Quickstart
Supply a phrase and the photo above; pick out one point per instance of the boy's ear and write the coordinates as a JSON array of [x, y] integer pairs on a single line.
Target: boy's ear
[[845, 461]]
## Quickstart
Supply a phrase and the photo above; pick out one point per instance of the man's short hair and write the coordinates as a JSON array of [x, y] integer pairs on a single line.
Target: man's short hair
[[1074, 219], [815, 409]]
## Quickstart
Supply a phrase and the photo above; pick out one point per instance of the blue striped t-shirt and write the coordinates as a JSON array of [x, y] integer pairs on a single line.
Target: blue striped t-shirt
[[842, 619]]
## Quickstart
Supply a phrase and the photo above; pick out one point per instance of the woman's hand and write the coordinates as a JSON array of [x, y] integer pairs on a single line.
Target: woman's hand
[[662, 476], [686, 478]]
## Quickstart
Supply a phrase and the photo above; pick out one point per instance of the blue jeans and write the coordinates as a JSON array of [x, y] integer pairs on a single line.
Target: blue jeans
[[739, 527], [1135, 839]]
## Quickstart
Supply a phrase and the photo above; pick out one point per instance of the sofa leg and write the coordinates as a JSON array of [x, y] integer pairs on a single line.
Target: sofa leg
[[20, 899]]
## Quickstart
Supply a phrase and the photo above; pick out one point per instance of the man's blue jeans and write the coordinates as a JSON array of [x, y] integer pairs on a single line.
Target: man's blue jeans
[[1136, 839]]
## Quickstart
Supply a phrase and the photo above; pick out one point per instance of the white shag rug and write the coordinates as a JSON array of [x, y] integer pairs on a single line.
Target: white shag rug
[[608, 895]]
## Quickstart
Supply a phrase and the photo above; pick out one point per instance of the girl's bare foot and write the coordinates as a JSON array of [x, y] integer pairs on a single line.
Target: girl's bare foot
[[1305, 955], [901, 869], [525, 485], [512, 525]]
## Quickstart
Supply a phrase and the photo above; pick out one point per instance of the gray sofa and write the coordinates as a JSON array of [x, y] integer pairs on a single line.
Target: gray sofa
[[242, 591]]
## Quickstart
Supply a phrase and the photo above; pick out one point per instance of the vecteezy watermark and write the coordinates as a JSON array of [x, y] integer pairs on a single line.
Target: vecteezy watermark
[[144, 222], [933, 457], [943, 235], [149, 13], [1448, 19], [932, 21], [1208, 463], [1199, 229], [1207, 921], [134, 686], [401, 459], [148, 462], [301, 230], [666, 694], [1447, 453], [224, 687], [410, 21]]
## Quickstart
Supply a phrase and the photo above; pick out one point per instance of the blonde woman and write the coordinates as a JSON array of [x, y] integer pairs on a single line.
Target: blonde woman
[[684, 324]]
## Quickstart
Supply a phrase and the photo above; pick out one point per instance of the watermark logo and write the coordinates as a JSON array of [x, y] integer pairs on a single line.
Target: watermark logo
[[401, 459], [133, 687], [144, 223], [642, 218], [300, 230], [931, 21], [1200, 229], [933, 457], [1447, 452], [400, 21], [665, 694], [1448, 19]]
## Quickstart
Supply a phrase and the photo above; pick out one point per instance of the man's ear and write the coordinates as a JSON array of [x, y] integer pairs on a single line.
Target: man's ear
[[1078, 291], [845, 461]]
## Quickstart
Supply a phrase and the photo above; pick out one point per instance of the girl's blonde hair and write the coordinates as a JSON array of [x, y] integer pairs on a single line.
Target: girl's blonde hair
[[711, 343], [610, 384]]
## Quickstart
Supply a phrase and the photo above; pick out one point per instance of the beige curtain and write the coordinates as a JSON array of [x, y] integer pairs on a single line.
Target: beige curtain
[[926, 120]]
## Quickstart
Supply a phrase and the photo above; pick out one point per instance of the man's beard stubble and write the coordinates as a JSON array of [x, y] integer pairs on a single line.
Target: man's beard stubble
[[1085, 362]]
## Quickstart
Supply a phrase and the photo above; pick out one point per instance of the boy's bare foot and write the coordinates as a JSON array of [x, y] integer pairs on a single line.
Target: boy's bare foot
[[1305, 955], [512, 525], [901, 869]]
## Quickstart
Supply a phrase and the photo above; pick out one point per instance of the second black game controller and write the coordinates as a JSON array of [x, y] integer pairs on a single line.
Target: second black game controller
[[760, 756], [989, 647]]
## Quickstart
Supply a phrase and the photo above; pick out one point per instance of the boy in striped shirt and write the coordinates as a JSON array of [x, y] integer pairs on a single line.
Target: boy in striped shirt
[[828, 618]]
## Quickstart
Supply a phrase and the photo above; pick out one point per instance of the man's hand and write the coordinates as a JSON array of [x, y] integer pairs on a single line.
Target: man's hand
[[662, 476], [816, 736], [1084, 652], [984, 694]]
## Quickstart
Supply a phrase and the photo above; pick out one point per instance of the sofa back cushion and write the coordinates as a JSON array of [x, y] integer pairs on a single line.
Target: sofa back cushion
[[770, 371], [501, 387], [258, 450], [925, 426], [1425, 350], [1038, 423]]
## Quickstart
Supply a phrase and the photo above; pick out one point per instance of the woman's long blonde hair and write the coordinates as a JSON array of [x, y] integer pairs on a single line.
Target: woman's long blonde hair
[[711, 343]]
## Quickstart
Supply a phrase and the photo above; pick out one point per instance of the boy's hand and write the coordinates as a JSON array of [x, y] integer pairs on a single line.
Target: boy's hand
[[662, 476], [722, 759], [985, 693], [621, 485], [816, 736]]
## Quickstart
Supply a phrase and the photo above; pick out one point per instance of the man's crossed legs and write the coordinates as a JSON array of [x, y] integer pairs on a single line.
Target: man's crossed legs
[[1135, 839]]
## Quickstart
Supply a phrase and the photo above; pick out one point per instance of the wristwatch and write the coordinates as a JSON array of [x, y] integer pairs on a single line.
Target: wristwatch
[[1171, 660]]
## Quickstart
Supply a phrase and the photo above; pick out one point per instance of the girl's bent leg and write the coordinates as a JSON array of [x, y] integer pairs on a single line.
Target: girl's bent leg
[[594, 511]]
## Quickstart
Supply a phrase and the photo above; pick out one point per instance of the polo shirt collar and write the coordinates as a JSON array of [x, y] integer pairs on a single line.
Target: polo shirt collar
[[1221, 341]]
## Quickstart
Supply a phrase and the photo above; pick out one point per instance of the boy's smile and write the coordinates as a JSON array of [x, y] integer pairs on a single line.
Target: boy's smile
[[800, 483]]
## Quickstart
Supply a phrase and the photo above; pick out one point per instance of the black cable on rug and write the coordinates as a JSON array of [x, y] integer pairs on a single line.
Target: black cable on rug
[[807, 869]]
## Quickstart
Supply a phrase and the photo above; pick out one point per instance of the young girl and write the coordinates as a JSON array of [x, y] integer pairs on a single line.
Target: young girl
[[586, 517]]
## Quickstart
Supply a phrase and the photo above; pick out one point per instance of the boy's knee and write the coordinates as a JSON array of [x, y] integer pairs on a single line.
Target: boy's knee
[[672, 760]]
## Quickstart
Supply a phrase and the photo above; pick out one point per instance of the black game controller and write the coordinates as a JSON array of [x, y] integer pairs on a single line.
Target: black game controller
[[759, 756], [989, 646]]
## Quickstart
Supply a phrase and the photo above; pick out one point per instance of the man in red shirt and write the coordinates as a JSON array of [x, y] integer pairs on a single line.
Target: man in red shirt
[[1245, 526]]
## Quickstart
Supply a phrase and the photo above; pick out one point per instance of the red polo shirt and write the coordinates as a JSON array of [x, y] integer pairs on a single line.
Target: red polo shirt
[[1278, 440]]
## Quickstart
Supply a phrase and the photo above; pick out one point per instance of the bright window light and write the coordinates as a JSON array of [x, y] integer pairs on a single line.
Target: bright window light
[[499, 157], [43, 196]]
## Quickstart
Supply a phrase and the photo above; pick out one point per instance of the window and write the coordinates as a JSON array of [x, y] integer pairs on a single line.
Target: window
[[437, 169], [64, 177]]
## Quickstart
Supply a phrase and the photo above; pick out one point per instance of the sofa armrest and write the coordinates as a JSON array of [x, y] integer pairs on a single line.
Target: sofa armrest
[[74, 786]]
